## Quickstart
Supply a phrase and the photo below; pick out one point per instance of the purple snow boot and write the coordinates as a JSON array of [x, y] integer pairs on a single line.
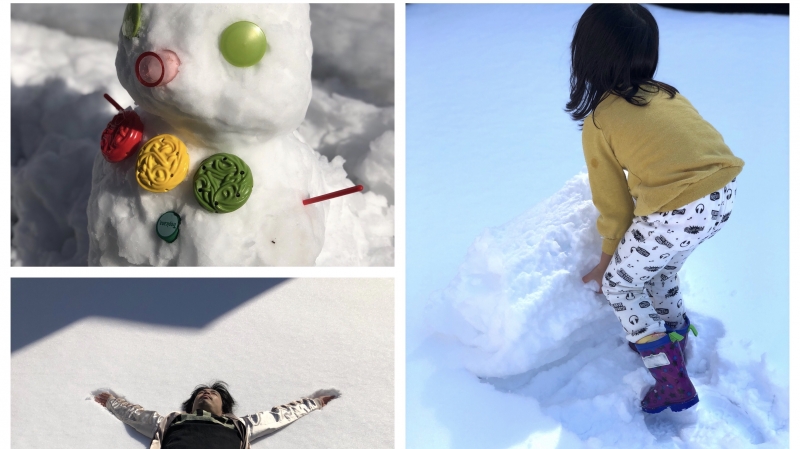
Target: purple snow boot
[[683, 332], [673, 389]]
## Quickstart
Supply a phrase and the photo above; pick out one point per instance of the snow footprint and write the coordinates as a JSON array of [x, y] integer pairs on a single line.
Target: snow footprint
[[723, 420]]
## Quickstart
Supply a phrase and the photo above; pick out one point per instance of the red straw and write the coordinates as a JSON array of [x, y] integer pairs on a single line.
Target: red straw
[[113, 103], [328, 196]]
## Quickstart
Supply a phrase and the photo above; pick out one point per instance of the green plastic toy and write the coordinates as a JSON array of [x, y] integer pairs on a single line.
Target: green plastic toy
[[168, 226], [223, 183], [243, 44]]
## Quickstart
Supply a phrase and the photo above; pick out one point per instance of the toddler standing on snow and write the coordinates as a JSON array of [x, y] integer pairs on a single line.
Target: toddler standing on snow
[[679, 190]]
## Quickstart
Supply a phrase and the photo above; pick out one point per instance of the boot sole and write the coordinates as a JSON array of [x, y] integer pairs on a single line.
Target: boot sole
[[679, 407]]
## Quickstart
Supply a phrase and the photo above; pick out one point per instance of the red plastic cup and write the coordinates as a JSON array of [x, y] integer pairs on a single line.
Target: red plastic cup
[[156, 69]]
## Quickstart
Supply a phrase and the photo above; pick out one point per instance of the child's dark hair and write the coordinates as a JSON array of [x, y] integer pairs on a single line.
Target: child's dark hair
[[614, 51], [221, 388]]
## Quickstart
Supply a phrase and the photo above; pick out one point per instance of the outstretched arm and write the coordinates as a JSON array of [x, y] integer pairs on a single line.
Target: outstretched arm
[[265, 423], [144, 421]]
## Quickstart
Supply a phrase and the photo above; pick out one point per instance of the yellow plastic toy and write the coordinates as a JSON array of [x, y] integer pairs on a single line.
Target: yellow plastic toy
[[162, 164]]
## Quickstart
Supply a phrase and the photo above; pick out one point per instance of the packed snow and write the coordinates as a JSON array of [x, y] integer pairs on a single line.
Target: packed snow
[[273, 341], [507, 335], [58, 113]]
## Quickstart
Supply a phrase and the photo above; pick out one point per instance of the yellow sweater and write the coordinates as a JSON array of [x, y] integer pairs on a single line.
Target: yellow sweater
[[672, 157]]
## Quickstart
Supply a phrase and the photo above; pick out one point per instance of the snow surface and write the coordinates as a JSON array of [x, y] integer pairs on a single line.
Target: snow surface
[[354, 46], [58, 113], [511, 350], [273, 341]]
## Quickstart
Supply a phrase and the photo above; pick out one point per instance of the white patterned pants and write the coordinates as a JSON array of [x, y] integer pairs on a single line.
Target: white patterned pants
[[641, 282]]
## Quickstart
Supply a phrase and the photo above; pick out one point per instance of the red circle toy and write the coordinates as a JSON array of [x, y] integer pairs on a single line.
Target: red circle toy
[[143, 73], [122, 134]]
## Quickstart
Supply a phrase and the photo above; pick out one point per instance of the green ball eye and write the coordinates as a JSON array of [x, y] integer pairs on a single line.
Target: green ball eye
[[132, 20], [243, 44]]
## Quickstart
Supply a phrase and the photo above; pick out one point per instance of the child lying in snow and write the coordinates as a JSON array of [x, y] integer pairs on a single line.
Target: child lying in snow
[[207, 419], [680, 173]]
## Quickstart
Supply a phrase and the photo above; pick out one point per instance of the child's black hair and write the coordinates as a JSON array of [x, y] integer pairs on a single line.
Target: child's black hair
[[614, 51], [221, 388]]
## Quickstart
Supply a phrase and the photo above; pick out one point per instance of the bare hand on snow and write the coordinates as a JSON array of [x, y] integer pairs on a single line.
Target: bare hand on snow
[[594, 279], [102, 398]]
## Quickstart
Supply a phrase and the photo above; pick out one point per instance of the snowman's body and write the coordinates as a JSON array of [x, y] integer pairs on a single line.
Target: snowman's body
[[215, 107]]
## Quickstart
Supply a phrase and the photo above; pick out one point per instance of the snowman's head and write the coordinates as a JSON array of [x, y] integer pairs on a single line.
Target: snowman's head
[[224, 73]]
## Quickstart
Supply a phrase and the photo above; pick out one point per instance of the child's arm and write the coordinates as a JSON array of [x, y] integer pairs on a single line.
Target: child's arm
[[265, 423], [609, 186], [144, 421]]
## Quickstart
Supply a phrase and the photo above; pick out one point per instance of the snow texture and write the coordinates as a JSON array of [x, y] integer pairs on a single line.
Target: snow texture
[[512, 350], [272, 341], [515, 302], [361, 59], [58, 113]]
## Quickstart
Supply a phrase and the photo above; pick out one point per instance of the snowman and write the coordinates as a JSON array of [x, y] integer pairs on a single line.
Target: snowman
[[208, 168]]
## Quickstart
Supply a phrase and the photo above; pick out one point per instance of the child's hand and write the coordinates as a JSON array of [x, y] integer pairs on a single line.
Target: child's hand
[[102, 398], [325, 399], [597, 272], [594, 278]]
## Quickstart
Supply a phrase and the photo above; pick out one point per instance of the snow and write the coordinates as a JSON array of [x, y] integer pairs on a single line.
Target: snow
[[353, 44], [526, 325], [58, 113], [362, 58], [501, 331], [273, 341], [515, 304]]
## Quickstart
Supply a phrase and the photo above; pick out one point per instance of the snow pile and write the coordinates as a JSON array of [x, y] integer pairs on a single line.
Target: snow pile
[[58, 114], [516, 297], [273, 342], [359, 132], [359, 137], [526, 324]]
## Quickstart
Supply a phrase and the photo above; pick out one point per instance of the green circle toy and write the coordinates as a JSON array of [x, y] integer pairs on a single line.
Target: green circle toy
[[168, 226], [222, 183], [132, 20], [243, 44]]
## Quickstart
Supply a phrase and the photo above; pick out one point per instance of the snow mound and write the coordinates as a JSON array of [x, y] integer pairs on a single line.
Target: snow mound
[[359, 132], [526, 324], [518, 296]]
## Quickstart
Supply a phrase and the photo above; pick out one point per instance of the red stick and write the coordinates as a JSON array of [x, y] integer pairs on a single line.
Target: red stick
[[335, 194], [113, 103]]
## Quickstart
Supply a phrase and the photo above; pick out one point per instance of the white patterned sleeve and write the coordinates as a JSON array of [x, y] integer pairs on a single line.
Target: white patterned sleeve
[[144, 421], [265, 423]]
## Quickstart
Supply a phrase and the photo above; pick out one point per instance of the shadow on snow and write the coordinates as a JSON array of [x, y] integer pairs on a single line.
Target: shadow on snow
[[40, 307]]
